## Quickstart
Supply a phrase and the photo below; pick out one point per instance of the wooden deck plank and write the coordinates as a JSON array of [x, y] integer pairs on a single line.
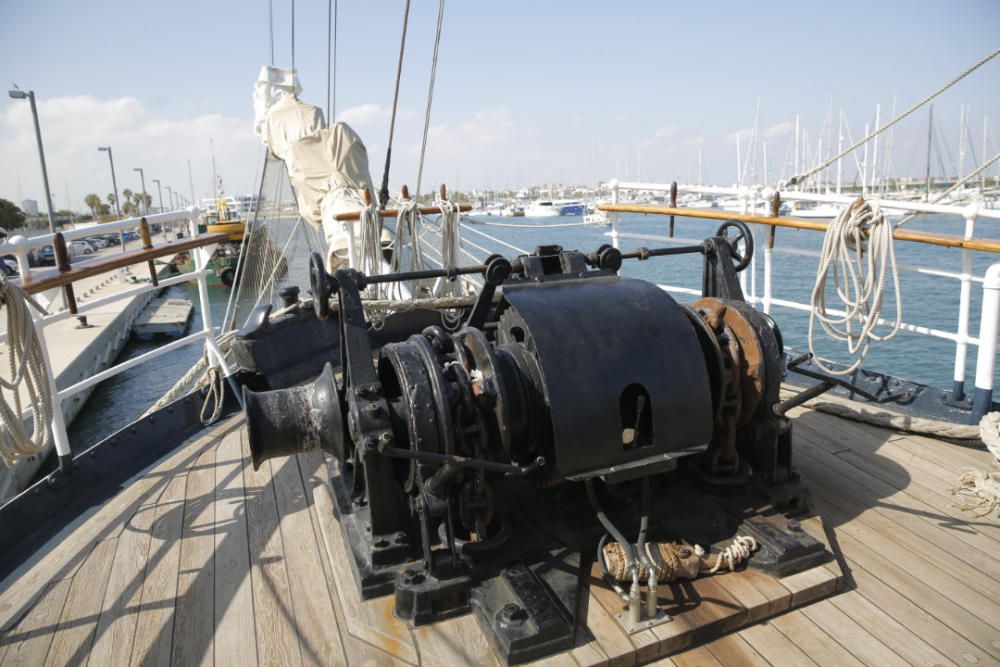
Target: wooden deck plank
[[893, 601], [372, 620], [311, 603], [734, 651], [813, 640], [696, 657], [887, 630], [932, 542], [848, 632], [774, 646], [155, 623], [119, 611], [315, 475], [274, 618], [194, 622], [235, 638], [894, 503], [75, 634], [30, 641], [927, 575], [908, 607]]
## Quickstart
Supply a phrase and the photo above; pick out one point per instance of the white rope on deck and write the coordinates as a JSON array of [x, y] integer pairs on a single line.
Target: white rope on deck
[[859, 276], [26, 364], [732, 556]]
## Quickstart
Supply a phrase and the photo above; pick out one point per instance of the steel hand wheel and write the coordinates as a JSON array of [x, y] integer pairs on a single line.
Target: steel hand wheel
[[741, 259]]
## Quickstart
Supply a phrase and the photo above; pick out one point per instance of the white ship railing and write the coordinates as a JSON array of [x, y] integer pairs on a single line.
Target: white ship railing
[[21, 247], [752, 199]]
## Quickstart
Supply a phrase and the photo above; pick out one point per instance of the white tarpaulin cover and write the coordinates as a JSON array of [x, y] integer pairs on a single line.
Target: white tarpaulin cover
[[328, 167]]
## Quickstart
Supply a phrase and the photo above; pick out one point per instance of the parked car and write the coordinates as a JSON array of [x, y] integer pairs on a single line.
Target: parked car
[[112, 239], [80, 247], [46, 255], [9, 265], [97, 241]]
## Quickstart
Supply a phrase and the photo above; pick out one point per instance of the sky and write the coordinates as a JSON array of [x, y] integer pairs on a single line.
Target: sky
[[526, 92]]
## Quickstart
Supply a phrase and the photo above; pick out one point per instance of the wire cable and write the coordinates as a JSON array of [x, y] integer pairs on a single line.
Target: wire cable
[[383, 193], [799, 178], [430, 93]]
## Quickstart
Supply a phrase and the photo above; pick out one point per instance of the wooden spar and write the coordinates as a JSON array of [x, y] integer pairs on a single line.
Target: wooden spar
[[71, 274], [392, 213], [931, 238]]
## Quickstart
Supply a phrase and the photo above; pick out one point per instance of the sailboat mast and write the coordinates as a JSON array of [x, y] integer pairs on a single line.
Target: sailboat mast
[[961, 143], [840, 149], [874, 176], [930, 138], [982, 175]]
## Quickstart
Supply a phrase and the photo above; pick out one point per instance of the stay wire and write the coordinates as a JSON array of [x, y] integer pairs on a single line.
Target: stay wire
[[383, 193], [270, 27], [799, 178], [430, 94]]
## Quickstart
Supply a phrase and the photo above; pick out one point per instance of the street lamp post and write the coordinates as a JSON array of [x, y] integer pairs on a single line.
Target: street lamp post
[[30, 96], [114, 181], [142, 177], [159, 192]]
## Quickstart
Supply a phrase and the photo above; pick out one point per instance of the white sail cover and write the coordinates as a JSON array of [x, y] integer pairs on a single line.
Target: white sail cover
[[328, 167]]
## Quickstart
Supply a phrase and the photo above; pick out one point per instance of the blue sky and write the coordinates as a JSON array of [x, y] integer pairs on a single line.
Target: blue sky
[[526, 91]]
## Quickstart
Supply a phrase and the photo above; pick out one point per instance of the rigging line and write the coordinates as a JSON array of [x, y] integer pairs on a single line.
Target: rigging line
[[329, 23], [270, 27], [383, 193], [799, 178], [430, 94], [983, 167], [333, 99]]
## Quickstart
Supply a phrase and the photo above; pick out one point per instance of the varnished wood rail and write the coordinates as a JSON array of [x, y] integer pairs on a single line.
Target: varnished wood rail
[[931, 238], [65, 274]]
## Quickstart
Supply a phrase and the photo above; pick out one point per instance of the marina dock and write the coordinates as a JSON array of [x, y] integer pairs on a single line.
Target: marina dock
[[163, 317]]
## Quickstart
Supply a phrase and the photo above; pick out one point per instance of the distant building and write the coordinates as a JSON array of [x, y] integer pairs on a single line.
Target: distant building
[[30, 206]]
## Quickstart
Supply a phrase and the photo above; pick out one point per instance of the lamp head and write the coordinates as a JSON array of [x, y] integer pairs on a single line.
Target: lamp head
[[17, 94], [104, 148]]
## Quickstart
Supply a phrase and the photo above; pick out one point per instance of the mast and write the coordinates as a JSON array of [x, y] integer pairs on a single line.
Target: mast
[[874, 175], [700, 172], [864, 167], [982, 176], [930, 138], [739, 163], [961, 143], [795, 169], [840, 149]]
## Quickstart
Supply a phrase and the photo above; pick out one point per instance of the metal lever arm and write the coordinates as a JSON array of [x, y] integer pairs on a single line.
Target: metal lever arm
[[826, 383]]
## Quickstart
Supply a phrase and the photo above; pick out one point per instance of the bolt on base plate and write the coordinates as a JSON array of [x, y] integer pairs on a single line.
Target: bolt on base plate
[[644, 624]]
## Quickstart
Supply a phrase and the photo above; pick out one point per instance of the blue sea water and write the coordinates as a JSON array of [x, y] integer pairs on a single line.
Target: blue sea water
[[926, 300]]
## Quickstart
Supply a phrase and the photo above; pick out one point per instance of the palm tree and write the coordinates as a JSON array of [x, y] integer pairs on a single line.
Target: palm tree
[[111, 199], [93, 202]]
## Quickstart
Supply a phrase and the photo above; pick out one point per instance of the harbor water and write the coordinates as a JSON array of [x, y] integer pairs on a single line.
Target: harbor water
[[928, 301]]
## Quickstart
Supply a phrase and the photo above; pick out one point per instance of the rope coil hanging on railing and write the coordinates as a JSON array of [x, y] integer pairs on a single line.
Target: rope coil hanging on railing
[[26, 365], [857, 255]]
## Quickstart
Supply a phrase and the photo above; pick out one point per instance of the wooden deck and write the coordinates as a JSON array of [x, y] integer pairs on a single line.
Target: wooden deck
[[204, 561]]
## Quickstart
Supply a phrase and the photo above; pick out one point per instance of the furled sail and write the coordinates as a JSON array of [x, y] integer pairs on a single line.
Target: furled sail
[[328, 166]]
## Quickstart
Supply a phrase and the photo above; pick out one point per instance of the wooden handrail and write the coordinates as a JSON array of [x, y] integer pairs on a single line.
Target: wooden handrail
[[392, 213], [118, 261], [932, 238]]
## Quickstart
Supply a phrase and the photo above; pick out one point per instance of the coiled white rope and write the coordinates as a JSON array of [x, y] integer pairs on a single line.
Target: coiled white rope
[[730, 558], [859, 275], [26, 364]]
